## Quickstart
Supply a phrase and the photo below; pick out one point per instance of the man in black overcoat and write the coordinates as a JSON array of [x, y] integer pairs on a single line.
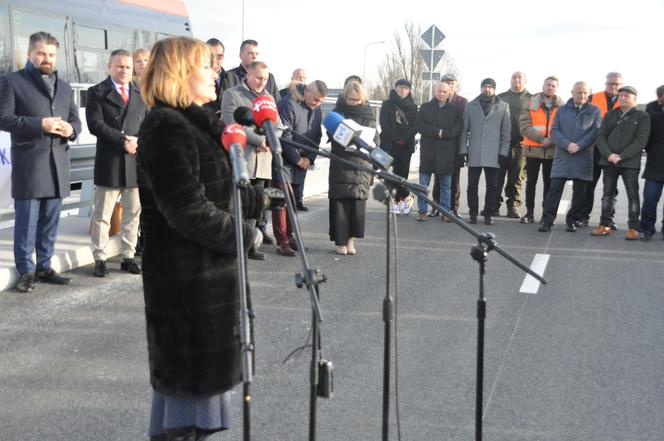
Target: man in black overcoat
[[114, 113], [38, 110]]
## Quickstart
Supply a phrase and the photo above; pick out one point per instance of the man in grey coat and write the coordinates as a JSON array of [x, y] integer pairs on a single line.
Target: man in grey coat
[[485, 139], [573, 132], [257, 152], [37, 108]]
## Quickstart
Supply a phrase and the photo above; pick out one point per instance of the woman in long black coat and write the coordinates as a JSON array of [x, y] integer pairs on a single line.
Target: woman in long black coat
[[348, 187], [189, 257], [398, 125]]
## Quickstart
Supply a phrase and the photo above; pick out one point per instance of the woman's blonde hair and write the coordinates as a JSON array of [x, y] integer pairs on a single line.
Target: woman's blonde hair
[[172, 60], [354, 86]]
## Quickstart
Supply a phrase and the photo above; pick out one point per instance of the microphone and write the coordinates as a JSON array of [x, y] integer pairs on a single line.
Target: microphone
[[243, 116], [347, 133], [234, 140], [266, 116]]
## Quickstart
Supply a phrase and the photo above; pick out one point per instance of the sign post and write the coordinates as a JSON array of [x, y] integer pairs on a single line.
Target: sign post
[[432, 37]]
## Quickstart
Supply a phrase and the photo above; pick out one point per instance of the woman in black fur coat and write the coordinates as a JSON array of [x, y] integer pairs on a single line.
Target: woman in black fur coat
[[348, 187], [189, 257]]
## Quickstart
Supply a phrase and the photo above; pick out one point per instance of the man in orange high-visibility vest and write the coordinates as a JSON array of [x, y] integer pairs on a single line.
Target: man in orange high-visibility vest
[[538, 149], [606, 100]]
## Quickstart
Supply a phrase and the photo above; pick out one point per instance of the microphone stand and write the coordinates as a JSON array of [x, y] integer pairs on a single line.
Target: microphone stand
[[485, 243], [245, 332], [311, 277]]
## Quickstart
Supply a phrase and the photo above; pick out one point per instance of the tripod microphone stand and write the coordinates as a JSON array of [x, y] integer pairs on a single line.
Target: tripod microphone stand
[[311, 277], [485, 243]]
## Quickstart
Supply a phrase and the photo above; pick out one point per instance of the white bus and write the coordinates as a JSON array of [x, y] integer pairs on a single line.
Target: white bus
[[88, 31]]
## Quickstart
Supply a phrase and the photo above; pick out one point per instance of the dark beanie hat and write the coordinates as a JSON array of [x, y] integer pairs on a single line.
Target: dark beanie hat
[[403, 82], [489, 81]]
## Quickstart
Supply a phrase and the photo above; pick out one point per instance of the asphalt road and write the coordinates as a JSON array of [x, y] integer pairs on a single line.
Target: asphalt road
[[580, 359]]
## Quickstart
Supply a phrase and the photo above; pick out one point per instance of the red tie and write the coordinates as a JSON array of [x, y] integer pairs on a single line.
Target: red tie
[[123, 92]]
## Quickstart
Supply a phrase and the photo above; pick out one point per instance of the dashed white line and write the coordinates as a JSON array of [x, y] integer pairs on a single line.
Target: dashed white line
[[531, 285]]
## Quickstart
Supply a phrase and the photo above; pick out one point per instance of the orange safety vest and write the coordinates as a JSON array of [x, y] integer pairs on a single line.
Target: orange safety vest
[[541, 120], [600, 100]]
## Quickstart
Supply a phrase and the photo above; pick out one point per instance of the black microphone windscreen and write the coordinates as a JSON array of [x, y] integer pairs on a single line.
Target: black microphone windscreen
[[244, 115]]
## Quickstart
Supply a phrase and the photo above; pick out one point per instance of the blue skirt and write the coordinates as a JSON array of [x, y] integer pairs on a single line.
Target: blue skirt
[[209, 414]]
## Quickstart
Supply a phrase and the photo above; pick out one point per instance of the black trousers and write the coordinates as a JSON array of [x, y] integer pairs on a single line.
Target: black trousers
[[401, 167], [552, 200], [630, 178], [532, 176], [346, 219], [491, 183], [590, 188], [259, 183], [509, 176]]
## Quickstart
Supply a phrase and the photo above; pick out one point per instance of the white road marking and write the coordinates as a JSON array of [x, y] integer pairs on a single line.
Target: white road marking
[[531, 285]]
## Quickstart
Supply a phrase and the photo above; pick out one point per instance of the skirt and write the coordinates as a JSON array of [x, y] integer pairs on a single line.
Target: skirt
[[208, 414]]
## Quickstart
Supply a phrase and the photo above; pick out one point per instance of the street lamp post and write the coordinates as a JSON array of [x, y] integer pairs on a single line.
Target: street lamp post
[[364, 71]]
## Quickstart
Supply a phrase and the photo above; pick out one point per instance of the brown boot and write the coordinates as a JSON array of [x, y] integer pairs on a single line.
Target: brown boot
[[601, 230]]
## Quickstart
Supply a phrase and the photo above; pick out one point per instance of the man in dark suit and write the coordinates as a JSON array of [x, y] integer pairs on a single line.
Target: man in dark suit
[[248, 55], [114, 112], [223, 80], [37, 108]]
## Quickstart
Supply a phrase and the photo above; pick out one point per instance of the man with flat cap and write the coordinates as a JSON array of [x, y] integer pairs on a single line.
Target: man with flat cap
[[623, 134]]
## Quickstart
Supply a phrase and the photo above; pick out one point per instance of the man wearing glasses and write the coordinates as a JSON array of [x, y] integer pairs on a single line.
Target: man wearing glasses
[[606, 100]]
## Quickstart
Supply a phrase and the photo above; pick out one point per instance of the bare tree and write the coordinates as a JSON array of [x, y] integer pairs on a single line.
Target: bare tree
[[405, 61]]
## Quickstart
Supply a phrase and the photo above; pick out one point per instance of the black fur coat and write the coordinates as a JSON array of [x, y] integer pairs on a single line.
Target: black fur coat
[[189, 258]]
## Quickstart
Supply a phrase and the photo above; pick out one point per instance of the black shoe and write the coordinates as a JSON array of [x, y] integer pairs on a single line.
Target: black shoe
[[488, 220], [48, 275], [544, 227], [301, 207], [527, 218], [571, 227], [433, 213], [256, 255], [100, 268], [472, 219], [130, 266], [613, 226], [292, 244], [645, 237], [26, 282], [582, 223]]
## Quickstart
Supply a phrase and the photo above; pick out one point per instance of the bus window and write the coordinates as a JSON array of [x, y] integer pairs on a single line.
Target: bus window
[[119, 38], [148, 39], [90, 50], [91, 38], [5, 41], [26, 24]]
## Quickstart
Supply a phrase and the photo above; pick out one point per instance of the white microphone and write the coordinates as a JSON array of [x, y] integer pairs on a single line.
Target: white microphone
[[348, 133]]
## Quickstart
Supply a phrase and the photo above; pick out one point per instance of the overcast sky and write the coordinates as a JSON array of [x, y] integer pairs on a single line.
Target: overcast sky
[[574, 40]]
